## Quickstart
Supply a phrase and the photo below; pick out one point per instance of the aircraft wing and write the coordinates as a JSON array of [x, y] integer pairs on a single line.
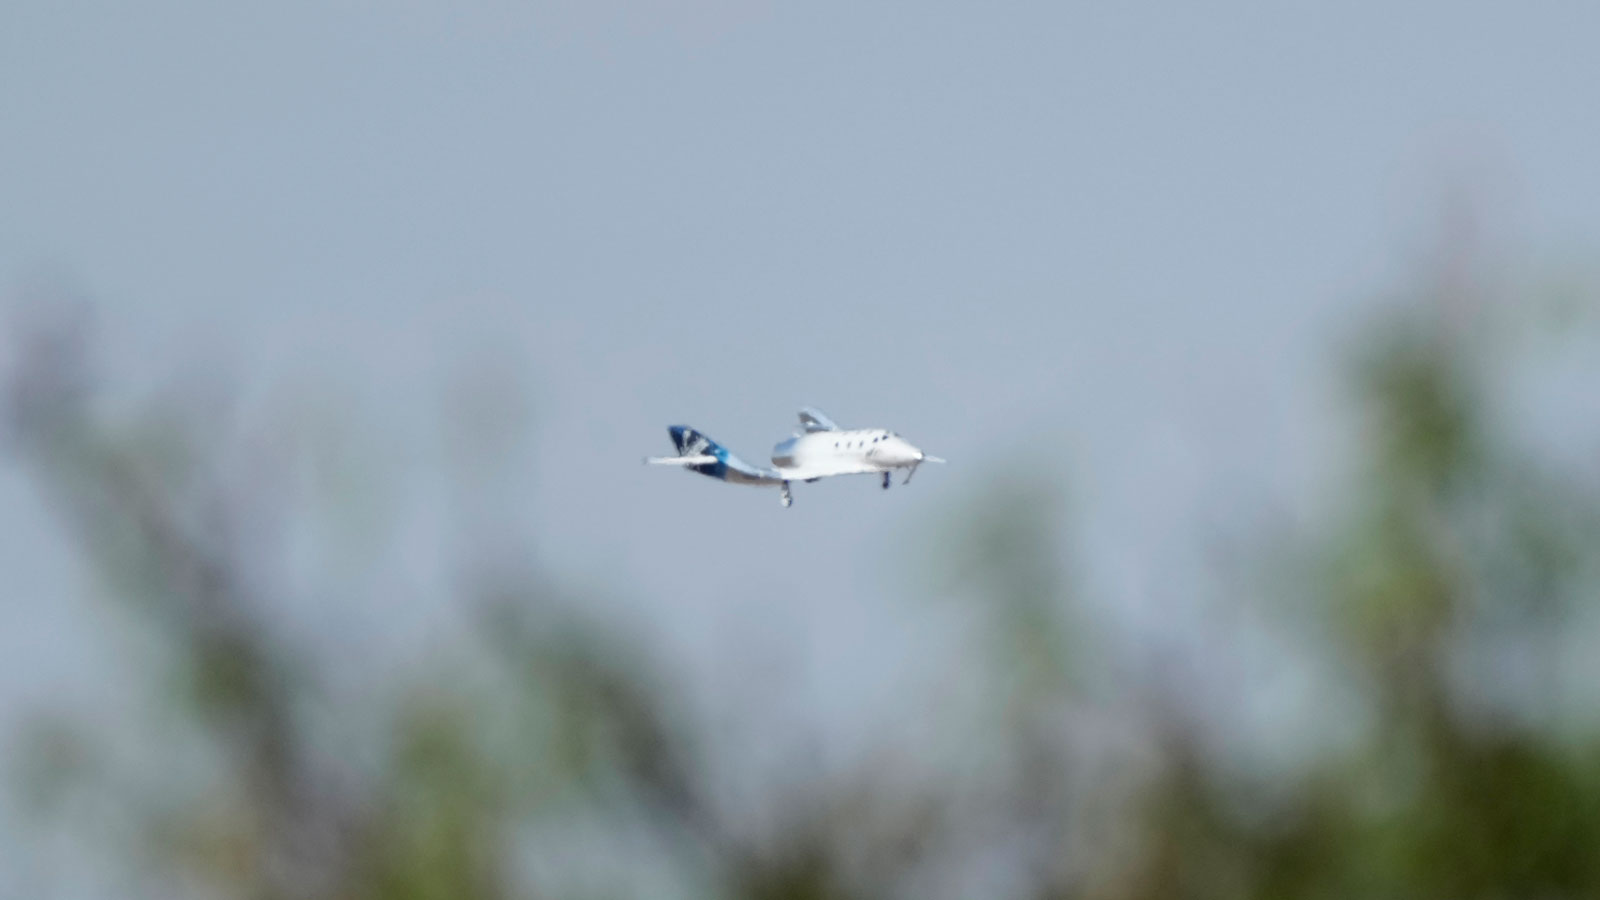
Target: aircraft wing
[[702, 460], [813, 419]]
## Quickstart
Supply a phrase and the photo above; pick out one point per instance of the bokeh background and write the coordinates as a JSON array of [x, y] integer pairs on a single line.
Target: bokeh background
[[1263, 339]]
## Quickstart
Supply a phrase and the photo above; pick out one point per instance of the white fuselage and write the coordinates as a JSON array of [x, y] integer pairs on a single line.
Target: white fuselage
[[817, 454]]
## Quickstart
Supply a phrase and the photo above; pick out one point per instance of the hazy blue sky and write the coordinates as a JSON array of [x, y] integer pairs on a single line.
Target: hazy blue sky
[[1116, 239]]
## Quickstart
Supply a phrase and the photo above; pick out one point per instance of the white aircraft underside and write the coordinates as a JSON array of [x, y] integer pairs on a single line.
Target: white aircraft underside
[[821, 450]]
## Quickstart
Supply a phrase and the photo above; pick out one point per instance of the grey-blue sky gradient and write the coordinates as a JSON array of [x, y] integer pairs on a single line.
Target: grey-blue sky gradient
[[1117, 239]]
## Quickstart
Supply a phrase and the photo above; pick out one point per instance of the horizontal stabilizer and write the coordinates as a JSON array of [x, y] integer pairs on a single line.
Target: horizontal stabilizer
[[700, 460]]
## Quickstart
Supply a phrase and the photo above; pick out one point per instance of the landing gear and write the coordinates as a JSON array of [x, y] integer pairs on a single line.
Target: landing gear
[[886, 481], [786, 498]]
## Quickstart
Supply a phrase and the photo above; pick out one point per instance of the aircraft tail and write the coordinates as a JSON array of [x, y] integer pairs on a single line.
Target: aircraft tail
[[692, 443], [701, 454]]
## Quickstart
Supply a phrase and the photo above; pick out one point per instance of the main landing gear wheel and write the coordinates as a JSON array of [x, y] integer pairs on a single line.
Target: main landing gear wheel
[[886, 481], [786, 498]]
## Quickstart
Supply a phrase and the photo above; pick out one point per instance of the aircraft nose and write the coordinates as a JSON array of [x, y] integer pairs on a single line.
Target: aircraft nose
[[906, 452]]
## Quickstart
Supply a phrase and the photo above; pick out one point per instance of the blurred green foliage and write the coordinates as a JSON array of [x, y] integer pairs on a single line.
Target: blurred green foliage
[[559, 741]]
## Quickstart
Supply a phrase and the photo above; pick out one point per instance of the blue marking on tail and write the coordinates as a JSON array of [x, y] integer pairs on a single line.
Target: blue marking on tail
[[692, 443]]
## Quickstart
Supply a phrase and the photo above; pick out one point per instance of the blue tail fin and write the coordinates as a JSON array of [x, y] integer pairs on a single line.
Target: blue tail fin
[[692, 443], [727, 466]]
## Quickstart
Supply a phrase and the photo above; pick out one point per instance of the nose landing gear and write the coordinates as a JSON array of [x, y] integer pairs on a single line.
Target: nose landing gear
[[786, 498], [886, 481]]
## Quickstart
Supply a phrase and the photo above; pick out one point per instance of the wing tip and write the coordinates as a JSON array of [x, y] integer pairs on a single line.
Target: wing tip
[[816, 420]]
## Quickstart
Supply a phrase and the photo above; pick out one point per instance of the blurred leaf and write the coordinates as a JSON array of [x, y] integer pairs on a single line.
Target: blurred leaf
[[52, 759]]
